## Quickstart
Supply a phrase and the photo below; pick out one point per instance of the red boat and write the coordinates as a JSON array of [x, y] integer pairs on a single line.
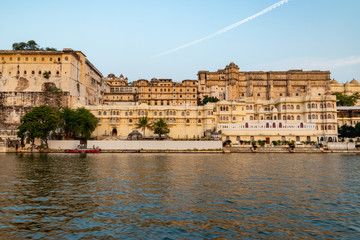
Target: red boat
[[83, 150]]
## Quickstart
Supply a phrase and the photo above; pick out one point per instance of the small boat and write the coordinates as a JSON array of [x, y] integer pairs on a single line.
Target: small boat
[[83, 149]]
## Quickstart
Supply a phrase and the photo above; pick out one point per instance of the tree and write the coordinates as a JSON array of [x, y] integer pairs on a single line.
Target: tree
[[160, 127], [19, 46], [30, 45], [346, 131], [143, 123], [38, 123], [357, 130], [346, 100], [207, 99], [77, 123]]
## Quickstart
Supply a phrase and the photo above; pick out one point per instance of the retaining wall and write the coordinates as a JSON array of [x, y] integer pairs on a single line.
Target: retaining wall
[[341, 145], [139, 145], [63, 144]]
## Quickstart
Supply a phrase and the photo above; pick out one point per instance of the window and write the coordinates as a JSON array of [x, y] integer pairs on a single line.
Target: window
[[59, 59], [42, 59], [39, 72], [297, 106], [66, 58], [18, 59], [26, 59], [50, 59], [34, 58], [32, 72], [24, 72]]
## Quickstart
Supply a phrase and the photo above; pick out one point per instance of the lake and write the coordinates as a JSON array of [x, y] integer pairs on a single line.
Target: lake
[[180, 196]]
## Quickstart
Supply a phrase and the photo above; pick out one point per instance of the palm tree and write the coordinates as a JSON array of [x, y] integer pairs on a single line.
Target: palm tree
[[160, 127], [144, 123]]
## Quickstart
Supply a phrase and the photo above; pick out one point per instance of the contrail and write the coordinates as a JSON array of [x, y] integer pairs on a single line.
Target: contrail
[[268, 9]]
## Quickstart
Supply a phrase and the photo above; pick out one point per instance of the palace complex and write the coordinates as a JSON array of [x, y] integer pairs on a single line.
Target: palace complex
[[289, 105]]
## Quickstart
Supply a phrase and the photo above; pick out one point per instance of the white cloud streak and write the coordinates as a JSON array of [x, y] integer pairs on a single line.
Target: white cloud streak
[[228, 28]]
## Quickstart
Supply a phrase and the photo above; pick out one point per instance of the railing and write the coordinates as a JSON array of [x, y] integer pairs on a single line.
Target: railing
[[267, 125]]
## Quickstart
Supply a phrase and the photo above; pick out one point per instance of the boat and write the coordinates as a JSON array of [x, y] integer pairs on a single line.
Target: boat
[[83, 149]]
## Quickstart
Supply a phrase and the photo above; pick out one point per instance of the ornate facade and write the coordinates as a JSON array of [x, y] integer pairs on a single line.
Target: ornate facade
[[308, 118], [56, 78], [119, 91], [166, 92], [231, 84]]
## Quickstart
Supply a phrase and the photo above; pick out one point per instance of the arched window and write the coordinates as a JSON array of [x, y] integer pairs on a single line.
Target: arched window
[[322, 127], [280, 125], [284, 117], [155, 113], [292, 107], [297, 106], [301, 125], [313, 116], [309, 106], [182, 114], [187, 121], [297, 138], [329, 116], [274, 125], [292, 117], [199, 121], [187, 113], [298, 117], [329, 105], [329, 127], [104, 113], [309, 116], [246, 125], [288, 117], [247, 107], [251, 118], [267, 125], [99, 113], [160, 113], [199, 113], [283, 107]]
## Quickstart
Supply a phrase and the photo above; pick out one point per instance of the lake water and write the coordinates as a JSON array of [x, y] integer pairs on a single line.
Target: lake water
[[180, 196]]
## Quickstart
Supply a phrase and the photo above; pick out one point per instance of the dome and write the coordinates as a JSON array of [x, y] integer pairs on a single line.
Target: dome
[[334, 81], [354, 81]]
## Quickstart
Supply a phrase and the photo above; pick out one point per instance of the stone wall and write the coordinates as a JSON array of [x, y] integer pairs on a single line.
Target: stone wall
[[341, 145], [140, 145]]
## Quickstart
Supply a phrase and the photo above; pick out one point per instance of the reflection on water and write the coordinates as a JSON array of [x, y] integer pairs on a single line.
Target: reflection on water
[[180, 196]]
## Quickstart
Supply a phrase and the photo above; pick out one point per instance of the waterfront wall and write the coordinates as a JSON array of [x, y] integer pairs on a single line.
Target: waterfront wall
[[63, 144], [156, 145], [341, 145], [140, 145]]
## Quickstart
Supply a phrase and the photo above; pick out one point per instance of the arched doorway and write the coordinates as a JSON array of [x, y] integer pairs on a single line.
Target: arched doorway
[[114, 132]]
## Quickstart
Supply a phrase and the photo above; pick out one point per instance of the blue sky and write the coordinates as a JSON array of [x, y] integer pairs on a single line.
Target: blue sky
[[124, 36]]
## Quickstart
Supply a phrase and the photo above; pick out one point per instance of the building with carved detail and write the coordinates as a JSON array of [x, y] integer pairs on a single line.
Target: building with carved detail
[[308, 118], [231, 84], [160, 92], [119, 91], [56, 78]]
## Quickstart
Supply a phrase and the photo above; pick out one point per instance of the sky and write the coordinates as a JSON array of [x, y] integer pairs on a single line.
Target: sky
[[130, 37]]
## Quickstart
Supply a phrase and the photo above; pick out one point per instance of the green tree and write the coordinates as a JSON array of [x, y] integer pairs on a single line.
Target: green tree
[[207, 99], [77, 123], [38, 123], [19, 46], [160, 127], [143, 123], [346, 131], [357, 130], [32, 45], [346, 100]]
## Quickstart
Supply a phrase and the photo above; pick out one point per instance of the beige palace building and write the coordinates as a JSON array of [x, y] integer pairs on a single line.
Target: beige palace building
[[57, 78], [308, 118]]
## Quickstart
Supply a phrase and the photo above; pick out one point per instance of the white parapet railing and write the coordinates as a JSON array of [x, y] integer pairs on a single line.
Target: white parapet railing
[[267, 125]]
